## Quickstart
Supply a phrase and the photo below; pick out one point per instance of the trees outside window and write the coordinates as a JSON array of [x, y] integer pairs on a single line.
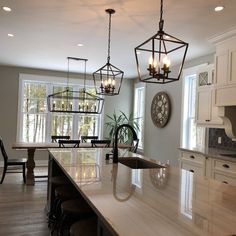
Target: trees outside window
[[37, 125]]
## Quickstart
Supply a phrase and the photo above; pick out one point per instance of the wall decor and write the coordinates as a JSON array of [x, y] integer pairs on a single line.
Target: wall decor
[[160, 109]]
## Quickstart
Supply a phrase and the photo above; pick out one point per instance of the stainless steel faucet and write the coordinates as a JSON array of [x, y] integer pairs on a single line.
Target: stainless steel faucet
[[115, 150]]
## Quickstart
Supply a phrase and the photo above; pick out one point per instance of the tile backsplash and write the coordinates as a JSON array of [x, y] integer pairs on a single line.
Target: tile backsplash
[[226, 143]]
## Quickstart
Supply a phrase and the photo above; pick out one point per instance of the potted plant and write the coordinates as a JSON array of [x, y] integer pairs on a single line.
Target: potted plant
[[115, 120]]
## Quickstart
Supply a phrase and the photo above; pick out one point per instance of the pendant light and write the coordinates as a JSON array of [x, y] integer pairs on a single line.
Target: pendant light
[[154, 56], [70, 101], [108, 79]]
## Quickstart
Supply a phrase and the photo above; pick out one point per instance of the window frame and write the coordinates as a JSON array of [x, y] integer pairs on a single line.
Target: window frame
[[189, 72], [51, 81], [136, 87]]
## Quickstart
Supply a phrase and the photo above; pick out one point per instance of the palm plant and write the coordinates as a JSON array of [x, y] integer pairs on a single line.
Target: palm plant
[[114, 121]]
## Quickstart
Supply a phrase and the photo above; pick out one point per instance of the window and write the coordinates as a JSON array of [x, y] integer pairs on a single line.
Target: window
[[36, 124], [139, 111], [192, 135]]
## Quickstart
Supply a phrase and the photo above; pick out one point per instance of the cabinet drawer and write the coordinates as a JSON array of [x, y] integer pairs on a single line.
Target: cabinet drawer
[[192, 168], [227, 167], [193, 157], [225, 179]]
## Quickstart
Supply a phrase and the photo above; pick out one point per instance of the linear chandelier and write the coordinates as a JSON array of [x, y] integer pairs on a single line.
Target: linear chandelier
[[70, 101], [158, 51], [108, 79]]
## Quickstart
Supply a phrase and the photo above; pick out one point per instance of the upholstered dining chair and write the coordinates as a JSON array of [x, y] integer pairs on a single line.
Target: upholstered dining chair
[[11, 162]]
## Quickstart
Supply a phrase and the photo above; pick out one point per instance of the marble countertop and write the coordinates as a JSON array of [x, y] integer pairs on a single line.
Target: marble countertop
[[166, 201], [212, 153]]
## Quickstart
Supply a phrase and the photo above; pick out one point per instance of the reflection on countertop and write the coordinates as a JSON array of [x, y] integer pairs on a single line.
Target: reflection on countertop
[[167, 201]]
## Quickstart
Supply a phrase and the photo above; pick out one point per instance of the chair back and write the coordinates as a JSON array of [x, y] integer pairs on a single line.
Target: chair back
[[101, 143], [134, 147], [85, 138], [4, 154], [55, 138]]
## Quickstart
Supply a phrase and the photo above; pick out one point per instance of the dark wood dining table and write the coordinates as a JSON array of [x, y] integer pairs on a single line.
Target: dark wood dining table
[[31, 148]]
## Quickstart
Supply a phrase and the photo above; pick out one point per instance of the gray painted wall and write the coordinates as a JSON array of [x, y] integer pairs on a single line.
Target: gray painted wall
[[9, 85], [163, 143]]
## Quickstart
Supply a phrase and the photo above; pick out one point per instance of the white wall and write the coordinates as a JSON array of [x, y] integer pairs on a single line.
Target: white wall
[[163, 143], [9, 85], [122, 102]]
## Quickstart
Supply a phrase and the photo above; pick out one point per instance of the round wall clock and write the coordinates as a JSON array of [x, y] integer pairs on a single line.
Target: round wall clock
[[160, 109]]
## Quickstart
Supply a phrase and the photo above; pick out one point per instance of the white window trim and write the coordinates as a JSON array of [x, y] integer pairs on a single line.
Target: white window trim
[[141, 85], [50, 80], [186, 72]]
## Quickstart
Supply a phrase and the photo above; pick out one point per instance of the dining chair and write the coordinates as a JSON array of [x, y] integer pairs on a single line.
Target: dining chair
[[101, 143], [55, 138], [84, 139], [11, 162], [71, 143]]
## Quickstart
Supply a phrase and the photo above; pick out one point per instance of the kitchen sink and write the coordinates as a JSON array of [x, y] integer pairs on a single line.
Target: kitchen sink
[[228, 155], [138, 163]]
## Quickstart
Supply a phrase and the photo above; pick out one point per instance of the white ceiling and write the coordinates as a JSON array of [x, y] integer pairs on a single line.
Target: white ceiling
[[46, 32]]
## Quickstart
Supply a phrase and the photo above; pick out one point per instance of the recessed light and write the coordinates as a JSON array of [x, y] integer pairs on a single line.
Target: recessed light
[[80, 45], [10, 35], [8, 9], [219, 8]]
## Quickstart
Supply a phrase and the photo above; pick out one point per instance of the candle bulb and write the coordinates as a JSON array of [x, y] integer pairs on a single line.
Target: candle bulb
[[71, 106], [62, 105], [54, 105], [79, 106], [87, 107]]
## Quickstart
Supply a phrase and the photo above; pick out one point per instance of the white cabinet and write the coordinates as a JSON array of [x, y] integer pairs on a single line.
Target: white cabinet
[[206, 111], [193, 162], [225, 77], [224, 171]]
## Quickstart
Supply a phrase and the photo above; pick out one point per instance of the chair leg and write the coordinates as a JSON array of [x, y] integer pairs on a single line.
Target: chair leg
[[24, 178], [4, 173]]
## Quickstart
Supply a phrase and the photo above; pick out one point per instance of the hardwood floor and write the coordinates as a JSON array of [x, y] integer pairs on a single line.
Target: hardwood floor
[[22, 208]]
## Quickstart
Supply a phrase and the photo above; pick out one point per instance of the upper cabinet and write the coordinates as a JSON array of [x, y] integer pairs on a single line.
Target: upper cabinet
[[206, 111], [225, 76]]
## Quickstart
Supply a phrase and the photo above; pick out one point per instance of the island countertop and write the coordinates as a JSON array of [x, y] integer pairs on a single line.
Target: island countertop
[[165, 201]]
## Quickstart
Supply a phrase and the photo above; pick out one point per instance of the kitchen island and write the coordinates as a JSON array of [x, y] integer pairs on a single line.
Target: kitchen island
[[161, 201]]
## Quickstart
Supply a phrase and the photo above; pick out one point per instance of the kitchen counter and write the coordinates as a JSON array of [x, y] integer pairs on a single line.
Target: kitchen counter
[[212, 153], [167, 201]]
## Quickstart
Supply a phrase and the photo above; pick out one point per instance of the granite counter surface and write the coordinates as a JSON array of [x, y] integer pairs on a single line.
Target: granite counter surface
[[151, 202]]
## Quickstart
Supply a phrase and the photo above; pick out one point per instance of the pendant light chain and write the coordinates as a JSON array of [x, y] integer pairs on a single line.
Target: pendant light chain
[[109, 39], [68, 73], [161, 22], [85, 71]]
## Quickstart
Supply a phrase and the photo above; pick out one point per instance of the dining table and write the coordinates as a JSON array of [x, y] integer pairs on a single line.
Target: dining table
[[32, 147]]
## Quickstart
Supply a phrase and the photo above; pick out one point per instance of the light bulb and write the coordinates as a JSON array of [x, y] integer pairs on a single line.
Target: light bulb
[[113, 82], [109, 81], [152, 62], [166, 61]]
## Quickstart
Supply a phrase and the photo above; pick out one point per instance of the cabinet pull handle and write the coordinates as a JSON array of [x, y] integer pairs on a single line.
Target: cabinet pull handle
[[208, 83], [191, 171], [192, 157], [225, 166], [224, 182], [207, 120]]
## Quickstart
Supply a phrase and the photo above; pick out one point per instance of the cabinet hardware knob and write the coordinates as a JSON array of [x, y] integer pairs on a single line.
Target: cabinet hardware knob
[[192, 157], [224, 182], [225, 166], [191, 171]]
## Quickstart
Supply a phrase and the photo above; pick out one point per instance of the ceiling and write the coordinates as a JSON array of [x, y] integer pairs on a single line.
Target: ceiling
[[47, 32]]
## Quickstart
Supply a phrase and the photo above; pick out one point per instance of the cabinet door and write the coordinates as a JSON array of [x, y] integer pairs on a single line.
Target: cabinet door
[[205, 76], [221, 67], [203, 106], [232, 66]]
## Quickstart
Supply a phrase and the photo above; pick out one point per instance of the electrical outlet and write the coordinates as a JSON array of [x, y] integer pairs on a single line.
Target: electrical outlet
[[219, 140]]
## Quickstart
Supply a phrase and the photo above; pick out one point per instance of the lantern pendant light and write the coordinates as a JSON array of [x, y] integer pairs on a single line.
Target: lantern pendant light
[[108, 79], [158, 52], [71, 101]]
